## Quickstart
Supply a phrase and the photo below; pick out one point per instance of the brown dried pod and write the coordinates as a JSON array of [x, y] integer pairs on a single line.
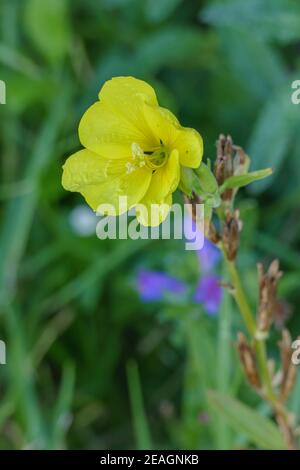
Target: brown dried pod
[[213, 235], [224, 163], [288, 368], [268, 282], [192, 203], [248, 360], [231, 233]]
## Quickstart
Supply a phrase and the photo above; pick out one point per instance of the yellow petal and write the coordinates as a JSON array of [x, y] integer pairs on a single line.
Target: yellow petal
[[151, 214], [189, 144], [102, 181], [125, 97], [165, 180], [107, 133], [162, 124], [88, 168], [124, 92], [165, 127]]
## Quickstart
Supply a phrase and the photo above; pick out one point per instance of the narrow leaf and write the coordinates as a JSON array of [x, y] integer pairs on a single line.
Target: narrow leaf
[[140, 422], [258, 429], [239, 181]]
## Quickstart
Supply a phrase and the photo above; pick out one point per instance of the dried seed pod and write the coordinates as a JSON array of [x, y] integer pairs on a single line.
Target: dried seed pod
[[192, 203], [231, 233], [248, 360], [240, 158], [288, 368], [210, 231], [213, 235], [268, 282], [224, 163]]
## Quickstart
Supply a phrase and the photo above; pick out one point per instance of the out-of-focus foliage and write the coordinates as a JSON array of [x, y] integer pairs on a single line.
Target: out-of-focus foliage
[[88, 364]]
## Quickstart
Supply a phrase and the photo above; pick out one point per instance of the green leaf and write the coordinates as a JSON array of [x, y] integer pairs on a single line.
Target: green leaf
[[177, 46], [238, 181], [274, 131], [258, 429], [140, 423], [271, 19], [255, 64], [20, 210], [159, 11], [47, 25], [63, 405]]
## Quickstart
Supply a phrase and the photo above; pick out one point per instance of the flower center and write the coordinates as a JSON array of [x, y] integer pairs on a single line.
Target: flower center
[[153, 158]]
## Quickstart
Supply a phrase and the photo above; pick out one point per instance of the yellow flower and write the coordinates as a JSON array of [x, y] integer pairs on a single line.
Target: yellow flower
[[133, 148]]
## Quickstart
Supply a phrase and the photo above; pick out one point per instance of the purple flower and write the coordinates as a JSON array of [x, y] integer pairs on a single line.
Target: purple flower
[[153, 285], [209, 255], [209, 293]]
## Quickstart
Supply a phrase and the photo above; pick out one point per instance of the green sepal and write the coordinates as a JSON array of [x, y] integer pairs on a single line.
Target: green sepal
[[187, 181], [207, 186]]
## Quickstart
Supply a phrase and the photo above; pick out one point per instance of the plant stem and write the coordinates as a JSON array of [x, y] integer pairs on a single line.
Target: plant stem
[[223, 378], [260, 346], [261, 355], [241, 298]]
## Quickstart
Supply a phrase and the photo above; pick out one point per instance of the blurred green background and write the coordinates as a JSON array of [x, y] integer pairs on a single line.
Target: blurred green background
[[88, 364]]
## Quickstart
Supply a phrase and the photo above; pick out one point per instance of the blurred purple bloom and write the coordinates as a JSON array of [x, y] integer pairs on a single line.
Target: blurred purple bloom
[[153, 285], [209, 255], [209, 293]]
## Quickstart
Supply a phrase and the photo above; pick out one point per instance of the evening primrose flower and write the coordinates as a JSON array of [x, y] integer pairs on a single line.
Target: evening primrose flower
[[133, 148]]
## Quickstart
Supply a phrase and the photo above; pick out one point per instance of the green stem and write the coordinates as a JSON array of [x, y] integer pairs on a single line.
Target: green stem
[[223, 378], [241, 299], [260, 346], [261, 355]]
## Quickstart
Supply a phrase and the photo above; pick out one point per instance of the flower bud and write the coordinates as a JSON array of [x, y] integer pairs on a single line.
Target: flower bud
[[202, 182], [206, 179]]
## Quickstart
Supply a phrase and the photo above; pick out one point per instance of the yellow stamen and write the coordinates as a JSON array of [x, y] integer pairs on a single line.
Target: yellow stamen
[[154, 158]]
